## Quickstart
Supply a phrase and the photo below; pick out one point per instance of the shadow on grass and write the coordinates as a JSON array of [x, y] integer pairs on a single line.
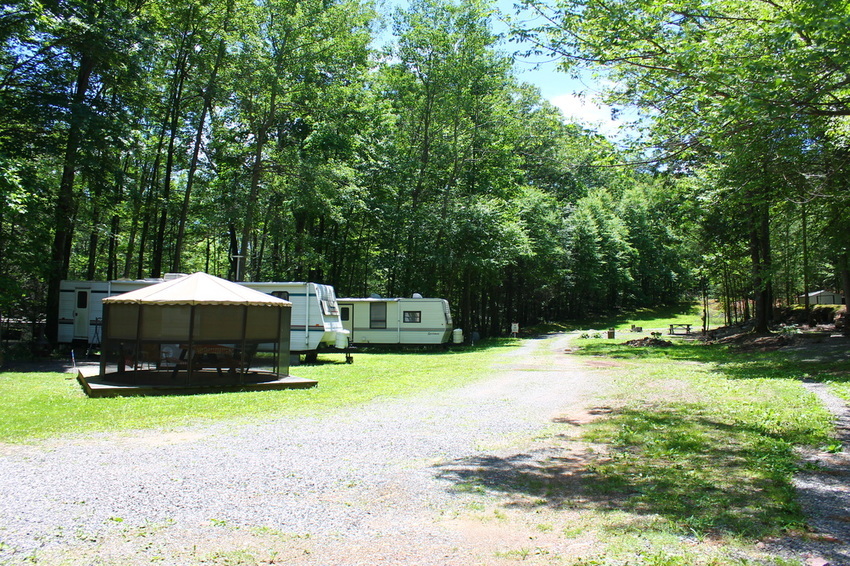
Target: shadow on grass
[[816, 361], [47, 365], [658, 316], [703, 476], [488, 344]]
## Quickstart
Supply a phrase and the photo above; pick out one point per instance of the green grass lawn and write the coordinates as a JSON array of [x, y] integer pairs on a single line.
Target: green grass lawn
[[41, 405], [655, 318], [694, 456], [700, 442]]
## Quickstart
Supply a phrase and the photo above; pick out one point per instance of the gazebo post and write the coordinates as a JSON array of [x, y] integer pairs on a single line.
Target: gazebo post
[[104, 347], [283, 340], [190, 351], [244, 344], [277, 342], [138, 340]]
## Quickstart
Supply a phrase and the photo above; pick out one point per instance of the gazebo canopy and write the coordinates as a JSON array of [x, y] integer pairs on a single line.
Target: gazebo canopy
[[198, 307], [195, 322], [197, 289]]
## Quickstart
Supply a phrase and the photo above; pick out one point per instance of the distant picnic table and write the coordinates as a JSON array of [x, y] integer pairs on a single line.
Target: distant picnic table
[[673, 328]]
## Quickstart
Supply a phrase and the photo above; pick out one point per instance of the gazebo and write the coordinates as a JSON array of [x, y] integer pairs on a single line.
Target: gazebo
[[197, 331]]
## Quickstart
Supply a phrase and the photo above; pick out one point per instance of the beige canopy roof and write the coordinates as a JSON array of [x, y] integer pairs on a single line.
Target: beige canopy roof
[[197, 289]]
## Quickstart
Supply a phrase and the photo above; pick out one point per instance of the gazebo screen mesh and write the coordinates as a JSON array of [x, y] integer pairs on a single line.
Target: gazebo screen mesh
[[173, 323], [217, 332]]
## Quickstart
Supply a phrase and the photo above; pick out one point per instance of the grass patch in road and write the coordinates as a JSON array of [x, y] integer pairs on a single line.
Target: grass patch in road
[[41, 405], [704, 437]]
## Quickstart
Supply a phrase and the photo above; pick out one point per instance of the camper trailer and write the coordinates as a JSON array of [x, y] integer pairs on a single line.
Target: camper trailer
[[413, 321], [316, 323], [80, 311]]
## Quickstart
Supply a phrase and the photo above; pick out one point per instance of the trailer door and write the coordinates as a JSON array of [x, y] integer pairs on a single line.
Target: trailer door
[[346, 316], [81, 314]]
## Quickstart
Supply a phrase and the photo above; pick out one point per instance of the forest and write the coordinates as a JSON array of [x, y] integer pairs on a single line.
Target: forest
[[398, 152]]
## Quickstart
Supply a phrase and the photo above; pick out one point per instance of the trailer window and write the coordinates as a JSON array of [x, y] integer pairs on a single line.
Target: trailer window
[[328, 299], [82, 300], [343, 315], [329, 308], [281, 295], [377, 315], [412, 316]]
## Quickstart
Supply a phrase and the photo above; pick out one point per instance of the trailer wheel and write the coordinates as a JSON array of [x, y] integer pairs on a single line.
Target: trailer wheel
[[311, 357]]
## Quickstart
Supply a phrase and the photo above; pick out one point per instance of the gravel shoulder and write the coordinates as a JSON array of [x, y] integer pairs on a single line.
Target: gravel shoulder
[[388, 482], [823, 490], [361, 485]]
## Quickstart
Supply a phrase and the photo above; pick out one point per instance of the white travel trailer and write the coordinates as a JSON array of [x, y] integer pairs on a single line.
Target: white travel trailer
[[316, 323], [80, 311], [413, 321]]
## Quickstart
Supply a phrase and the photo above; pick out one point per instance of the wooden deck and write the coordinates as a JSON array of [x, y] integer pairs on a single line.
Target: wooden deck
[[147, 383]]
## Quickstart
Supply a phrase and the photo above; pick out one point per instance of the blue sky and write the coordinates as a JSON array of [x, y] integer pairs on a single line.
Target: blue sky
[[574, 97], [555, 86]]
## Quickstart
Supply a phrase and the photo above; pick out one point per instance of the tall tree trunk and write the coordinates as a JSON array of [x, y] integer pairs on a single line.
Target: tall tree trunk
[[844, 271], [176, 102], [65, 206], [806, 264], [112, 260], [94, 234], [131, 243], [760, 256], [149, 209], [235, 264], [256, 177], [196, 152]]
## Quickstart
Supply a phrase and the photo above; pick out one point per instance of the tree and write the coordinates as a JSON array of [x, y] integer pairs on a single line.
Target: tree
[[296, 51], [263, 140], [719, 81], [78, 50]]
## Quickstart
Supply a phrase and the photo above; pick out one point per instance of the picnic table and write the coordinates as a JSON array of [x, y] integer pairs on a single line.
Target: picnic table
[[673, 328], [201, 356]]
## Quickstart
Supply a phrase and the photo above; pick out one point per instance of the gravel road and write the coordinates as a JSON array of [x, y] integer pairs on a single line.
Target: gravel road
[[356, 486], [376, 484]]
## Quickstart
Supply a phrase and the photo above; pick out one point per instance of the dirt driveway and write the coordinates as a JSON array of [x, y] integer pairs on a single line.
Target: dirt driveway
[[383, 483]]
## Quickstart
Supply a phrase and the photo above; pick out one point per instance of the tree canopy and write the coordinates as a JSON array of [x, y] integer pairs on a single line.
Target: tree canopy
[[747, 98], [273, 140]]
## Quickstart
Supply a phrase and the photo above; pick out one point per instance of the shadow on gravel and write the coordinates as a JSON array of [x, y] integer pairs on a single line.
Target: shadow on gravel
[[530, 479], [703, 476]]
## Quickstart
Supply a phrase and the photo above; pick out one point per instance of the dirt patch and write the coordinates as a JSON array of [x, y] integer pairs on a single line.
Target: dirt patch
[[649, 343], [602, 364], [748, 342], [581, 417]]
